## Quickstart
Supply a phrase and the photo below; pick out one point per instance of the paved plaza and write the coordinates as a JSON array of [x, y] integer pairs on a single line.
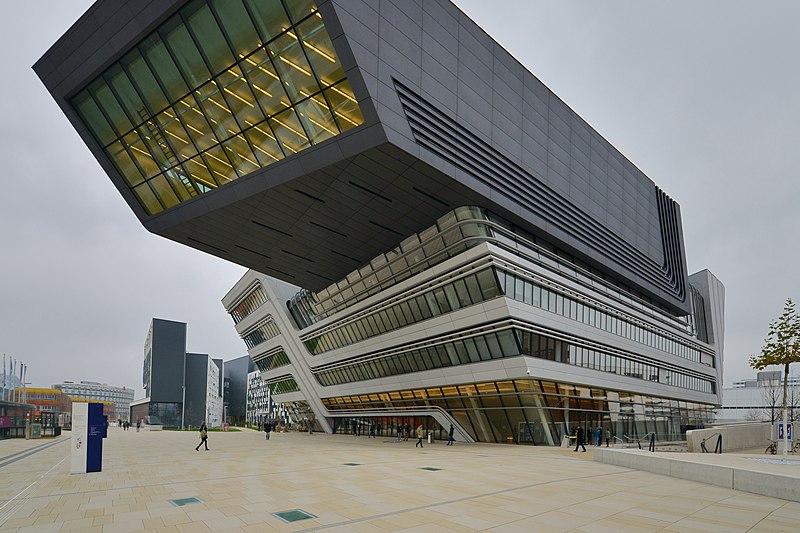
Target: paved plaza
[[355, 484]]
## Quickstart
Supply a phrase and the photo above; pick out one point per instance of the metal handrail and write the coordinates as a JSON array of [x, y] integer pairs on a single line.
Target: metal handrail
[[717, 447], [638, 440]]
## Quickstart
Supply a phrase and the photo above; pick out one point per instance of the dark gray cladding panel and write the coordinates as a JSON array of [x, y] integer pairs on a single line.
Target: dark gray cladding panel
[[317, 228], [439, 54], [315, 216], [169, 348]]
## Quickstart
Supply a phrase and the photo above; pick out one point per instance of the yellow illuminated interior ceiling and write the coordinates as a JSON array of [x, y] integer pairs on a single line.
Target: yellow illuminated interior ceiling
[[221, 89]]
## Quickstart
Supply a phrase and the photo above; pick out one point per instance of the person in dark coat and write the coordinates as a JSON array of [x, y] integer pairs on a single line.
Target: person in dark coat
[[267, 429], [450, 439], [203, 437], [579, 439]]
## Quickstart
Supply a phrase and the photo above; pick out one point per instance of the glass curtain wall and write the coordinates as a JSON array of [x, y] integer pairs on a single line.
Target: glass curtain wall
[[535, 411], [219, 90]]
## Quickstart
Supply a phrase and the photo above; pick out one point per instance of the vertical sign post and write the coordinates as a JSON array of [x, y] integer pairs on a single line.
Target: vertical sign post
[[88, 432], [80, 428]]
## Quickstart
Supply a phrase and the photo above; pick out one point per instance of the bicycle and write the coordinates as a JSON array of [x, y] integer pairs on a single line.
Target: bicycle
[[772, 449]]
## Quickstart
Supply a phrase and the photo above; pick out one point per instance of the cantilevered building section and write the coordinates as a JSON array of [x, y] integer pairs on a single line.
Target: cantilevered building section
[[441, 238]]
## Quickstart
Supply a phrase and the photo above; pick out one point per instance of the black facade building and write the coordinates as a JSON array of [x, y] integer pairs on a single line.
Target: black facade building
[[181, 389], [235, 388], [163, 373]]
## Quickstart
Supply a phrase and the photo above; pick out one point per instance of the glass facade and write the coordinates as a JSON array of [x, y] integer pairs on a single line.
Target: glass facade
[[453, 233], [483, 286], [165, 413], [266, 330], [283, 385], [524, 290], [472, 348], [535, 411], [249, 303], [462, 292], [272, 361], [219, 90]]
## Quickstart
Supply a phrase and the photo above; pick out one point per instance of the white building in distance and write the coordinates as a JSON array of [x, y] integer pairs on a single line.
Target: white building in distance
[[92, 390]]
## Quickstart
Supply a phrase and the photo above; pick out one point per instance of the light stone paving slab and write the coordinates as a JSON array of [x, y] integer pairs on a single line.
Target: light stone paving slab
[[243, 480]]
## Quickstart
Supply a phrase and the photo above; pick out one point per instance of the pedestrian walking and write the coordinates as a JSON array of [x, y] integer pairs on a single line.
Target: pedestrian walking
[[203, 437], [399, 433], [597, 433], [608, 437], [267, 429], [372, 431], [450, 438], [408, 432], [138, 424], [420, 434], [580, 435]]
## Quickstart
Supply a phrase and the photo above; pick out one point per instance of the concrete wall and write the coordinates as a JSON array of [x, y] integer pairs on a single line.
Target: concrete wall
[[728, 474], [739, 437]]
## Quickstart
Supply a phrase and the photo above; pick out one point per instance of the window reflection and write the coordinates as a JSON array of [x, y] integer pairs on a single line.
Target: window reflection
[[536, 412], [500, 344], [243, 73]]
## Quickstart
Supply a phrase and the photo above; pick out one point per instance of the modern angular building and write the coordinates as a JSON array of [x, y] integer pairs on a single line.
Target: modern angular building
[[235, 383], [163, 374], [260, 407], [470, 251], [203, 402], [181, 389]]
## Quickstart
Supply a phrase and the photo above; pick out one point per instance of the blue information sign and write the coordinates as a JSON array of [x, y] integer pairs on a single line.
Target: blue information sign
[[94, 439]]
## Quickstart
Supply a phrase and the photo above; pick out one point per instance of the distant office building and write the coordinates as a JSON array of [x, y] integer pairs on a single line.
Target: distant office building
[[162, 376], [50, 401], [203, 390], [235, 388], [760, 399], [109, 407], [173, 379], [766, 378], [257, 398], [121, 397]]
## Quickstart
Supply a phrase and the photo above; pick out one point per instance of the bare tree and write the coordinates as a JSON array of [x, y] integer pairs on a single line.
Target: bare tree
[[793, 403], [754, 415], [771, 400]]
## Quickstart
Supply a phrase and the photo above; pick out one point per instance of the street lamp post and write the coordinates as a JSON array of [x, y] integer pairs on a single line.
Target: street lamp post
[[183, 403]]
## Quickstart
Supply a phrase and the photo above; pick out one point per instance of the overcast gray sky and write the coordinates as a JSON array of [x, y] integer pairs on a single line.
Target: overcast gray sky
[[702, 96]]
